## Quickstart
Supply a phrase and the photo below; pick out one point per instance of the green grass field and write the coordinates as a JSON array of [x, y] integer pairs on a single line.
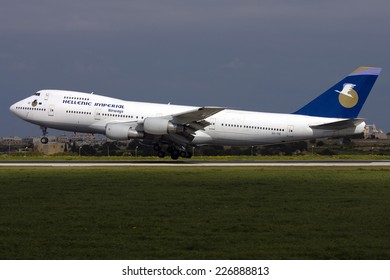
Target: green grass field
[[39, 157], [195, 213]]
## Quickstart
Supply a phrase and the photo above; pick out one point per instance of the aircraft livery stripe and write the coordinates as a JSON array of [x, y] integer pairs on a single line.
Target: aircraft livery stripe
[[366, 71]]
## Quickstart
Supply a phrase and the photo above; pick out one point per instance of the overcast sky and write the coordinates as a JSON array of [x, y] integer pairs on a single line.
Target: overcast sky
[[269, 55]]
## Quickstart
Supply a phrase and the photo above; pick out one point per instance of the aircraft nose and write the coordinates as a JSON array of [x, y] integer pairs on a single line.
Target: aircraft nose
[[12, 108]]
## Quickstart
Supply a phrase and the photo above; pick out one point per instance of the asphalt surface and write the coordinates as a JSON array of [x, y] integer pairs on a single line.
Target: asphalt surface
[[192, 163]]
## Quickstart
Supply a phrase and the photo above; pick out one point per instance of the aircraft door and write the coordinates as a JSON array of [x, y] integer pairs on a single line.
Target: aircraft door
[[51, 110], [98, 114], [212, 124], [290, 131]]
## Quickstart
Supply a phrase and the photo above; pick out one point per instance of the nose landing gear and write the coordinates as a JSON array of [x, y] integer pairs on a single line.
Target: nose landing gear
[[44, 139]]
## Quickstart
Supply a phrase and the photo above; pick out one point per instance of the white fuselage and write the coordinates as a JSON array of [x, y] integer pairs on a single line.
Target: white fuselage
[[90, 113]]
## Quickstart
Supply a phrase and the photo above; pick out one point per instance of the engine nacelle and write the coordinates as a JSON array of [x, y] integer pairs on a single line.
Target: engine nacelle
[[122, 131], [161, 126]]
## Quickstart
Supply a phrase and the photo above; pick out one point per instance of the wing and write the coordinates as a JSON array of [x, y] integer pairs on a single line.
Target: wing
[[193, 120], [196, 115], [179, 128], [190, 121]]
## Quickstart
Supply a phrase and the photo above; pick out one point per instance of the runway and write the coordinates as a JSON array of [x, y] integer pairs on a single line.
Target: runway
[[190, 163]]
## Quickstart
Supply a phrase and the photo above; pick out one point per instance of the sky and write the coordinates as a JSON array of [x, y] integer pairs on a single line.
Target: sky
[[268, 55]]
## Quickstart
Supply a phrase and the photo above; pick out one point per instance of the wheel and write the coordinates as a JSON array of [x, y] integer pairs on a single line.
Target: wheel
[[189, 155], [183, 154], [176, 153], [175, 157], [156, 147], [161, 154], [44, 140]]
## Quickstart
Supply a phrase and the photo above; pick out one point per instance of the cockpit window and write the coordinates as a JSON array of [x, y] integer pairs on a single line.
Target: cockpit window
[[37, 94]]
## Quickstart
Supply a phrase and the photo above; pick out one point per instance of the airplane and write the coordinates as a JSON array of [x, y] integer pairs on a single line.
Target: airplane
[[174, 129]]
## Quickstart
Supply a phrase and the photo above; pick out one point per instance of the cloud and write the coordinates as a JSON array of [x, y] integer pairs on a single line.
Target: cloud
[[146, 15], [192, 51], [236, 63]]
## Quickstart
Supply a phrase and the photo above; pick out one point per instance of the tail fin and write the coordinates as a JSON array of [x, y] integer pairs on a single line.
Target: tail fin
[[346, 98]]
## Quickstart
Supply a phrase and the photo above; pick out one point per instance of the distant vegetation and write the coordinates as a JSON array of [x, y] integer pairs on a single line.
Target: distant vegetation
[[331, 147]]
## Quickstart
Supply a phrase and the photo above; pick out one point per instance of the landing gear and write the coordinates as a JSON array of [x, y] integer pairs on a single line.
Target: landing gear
[[157, 148], [174, 151], [183, 154], [175, 154], [188, 155], [44, 139]]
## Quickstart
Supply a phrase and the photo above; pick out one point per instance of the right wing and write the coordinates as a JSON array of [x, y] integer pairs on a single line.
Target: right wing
[[195, 115], [195, 119]]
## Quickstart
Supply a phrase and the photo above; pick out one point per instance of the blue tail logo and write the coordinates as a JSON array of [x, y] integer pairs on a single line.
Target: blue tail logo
[[352, 92]]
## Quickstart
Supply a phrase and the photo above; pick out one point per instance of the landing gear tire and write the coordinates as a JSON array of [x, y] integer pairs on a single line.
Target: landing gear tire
[[161, 154], [156, 147], [175, 154], [44, 140], [188, 155], [175, 157]]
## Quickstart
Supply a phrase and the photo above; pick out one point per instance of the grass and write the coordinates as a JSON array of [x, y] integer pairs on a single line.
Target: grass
[[308, 157], [195, 213]]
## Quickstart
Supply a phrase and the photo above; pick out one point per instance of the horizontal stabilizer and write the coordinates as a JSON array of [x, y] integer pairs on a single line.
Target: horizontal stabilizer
[[339, 124]]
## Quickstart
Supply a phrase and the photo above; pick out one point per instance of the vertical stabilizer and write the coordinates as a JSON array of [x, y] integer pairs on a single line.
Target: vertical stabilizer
[[346, 98]]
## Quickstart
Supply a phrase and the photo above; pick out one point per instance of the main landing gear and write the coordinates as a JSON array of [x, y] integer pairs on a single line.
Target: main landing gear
[[174, 151], [44, 139]]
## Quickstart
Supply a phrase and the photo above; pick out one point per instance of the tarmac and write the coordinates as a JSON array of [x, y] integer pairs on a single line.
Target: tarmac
[[190, 163]]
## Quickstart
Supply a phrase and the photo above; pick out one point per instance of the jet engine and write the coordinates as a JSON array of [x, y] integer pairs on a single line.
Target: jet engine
[[161, 126], [122, 131]]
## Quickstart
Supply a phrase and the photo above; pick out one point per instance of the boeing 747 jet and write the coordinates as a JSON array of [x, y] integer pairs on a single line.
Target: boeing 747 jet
[[173, 129]]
